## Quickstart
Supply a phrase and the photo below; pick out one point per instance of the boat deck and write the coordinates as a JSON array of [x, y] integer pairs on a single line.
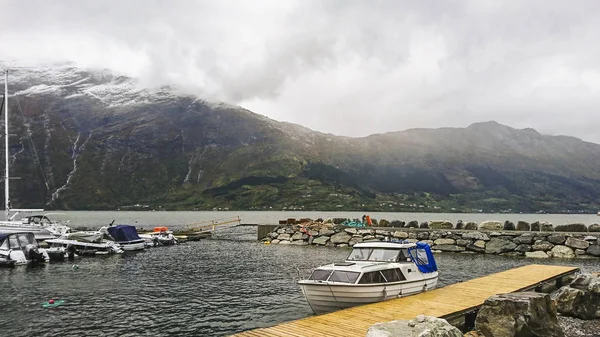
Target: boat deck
[[451, 301]]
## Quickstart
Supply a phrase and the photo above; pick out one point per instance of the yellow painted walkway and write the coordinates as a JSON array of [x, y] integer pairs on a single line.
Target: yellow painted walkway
[[441, 302]]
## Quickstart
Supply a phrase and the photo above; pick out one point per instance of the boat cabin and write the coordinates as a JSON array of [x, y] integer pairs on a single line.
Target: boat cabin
[[20, 247], [380, 262]]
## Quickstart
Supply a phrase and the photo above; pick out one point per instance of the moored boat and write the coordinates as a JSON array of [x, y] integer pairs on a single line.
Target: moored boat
[[126, 236], [82, 243], [374, 272], [20, 248]]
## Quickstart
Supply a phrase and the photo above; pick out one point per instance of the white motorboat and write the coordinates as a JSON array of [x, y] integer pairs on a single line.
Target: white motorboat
[[126, 236], [160, 236], [82, 243], [40, 225], [374, 272], [20, 248]]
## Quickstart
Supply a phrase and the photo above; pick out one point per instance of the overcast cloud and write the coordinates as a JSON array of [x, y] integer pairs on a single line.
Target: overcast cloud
[[346, 67]]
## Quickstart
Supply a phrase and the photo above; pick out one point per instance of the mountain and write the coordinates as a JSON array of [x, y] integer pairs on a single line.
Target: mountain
[[102, 142]]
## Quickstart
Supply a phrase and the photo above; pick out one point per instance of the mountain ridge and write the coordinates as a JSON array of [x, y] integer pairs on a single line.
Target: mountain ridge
[[105, 143]]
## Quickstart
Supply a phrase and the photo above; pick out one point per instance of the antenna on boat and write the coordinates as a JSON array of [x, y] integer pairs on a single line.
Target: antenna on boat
[[6, 200]]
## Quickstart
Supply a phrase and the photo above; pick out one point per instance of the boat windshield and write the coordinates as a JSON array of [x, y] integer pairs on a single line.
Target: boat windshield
[[378, 254]]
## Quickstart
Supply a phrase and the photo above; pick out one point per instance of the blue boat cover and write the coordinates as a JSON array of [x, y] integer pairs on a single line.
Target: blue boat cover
[[422, 256], [123, 233]]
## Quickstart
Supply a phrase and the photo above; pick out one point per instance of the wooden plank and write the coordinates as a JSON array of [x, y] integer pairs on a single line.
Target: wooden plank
[[442, 302]]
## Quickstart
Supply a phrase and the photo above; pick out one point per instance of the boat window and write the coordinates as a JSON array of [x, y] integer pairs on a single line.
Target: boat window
[[23, 240], [320, 275], [420, 256], [393, 275], [359, 254], [344, 276], [371, 277], [380, 254], [4, 244], [14, 242]]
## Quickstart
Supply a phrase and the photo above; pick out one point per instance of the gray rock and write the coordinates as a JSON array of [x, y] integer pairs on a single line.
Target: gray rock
[[366, 231], [522, 248], [351, 231], [557, 239], [477, 246], [576, 243], [509, 226], [423, 236], [382, 232], [397, 224], [546, 227], [412, 224], [476, 236], [535, 226], [429, 242], [412, 235], [523, 226], [590, 238], [459, 225], [562, 252], [321, 240], [311, 239], [463, 242], [577, 303], [275, 241], [424, 224], [280, 231], [581, 281], [471, 226], [400, 235], [594, 228], [573, 227], [449, 248], [283, 237], [273, 235], [341, 237], [368, 237], [383, 223], [412, 240], [491, 226], [537, 255], [518, 314], [579, 252], [297, 236], [313, 233], [497, 246], [441, 225], [525, 238], [444, 242], [542, 245], [494, 234], [421, 326], [284, 242], [593, 250], [326, 232], [435, 235]]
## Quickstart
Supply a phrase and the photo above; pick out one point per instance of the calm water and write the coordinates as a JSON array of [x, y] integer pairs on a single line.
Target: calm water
[[210, 288]]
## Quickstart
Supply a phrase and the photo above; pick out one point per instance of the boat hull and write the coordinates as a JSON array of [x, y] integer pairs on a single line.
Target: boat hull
[[325, 297], [132, 246]]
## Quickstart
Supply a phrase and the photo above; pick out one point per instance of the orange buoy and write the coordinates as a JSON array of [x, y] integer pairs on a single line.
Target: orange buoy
[[369, 220]]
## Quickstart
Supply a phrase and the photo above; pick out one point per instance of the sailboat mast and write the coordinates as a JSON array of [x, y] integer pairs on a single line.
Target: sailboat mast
[[6, 200]]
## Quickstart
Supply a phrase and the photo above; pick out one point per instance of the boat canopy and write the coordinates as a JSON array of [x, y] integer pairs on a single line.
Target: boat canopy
[[123, 233], [18, 240], [422, 256]]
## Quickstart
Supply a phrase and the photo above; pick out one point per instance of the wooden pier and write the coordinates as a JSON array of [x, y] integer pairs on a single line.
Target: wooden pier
[[456, 303]]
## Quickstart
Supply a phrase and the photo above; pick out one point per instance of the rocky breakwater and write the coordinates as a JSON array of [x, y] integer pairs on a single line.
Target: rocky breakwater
[[488, 237]]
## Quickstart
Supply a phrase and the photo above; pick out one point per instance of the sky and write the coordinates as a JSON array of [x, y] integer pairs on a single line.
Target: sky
[[340, 66]]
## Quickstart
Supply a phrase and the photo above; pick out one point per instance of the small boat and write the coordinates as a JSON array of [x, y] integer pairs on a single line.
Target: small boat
[[126, 236], [374, 272], [20, 248], [82, 243]]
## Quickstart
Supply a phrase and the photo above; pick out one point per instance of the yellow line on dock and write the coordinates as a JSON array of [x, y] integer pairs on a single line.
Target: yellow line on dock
[[442, 302]]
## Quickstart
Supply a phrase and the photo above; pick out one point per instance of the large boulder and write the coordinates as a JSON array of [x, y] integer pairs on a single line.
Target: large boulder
[[477, 246], [441, 225], [470, 226], [424, 224], [351, 231], [321, 240], [542, 245], [526, 238], [383, 223], [523, 226], [518, 314], [593, 250], [577, 243], [421, 326], [557, 239], [449, 248], [581, 299], [412, 224], [491, 226], [594, 228], [535, 226], [523, 248], [476, 236], [562, 252], [283, 237], [397, 224], [498, 246], [326, 232], [444, 241], [400, 235], [341, 237], [573, 227], [509, 226]]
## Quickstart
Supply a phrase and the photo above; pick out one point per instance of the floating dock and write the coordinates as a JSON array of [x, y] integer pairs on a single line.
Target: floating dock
[[458, 303]]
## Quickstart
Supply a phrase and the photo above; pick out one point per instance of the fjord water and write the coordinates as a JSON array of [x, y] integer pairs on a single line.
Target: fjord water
[[214, 287]]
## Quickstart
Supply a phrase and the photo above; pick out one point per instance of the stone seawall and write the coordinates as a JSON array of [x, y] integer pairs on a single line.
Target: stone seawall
[[489, 237]]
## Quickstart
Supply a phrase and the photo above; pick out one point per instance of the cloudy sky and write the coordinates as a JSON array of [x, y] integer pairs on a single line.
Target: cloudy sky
[[345, 67]]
